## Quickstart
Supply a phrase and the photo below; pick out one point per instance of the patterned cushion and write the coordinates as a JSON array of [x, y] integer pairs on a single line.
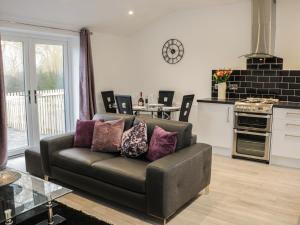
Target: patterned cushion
[[108, 136], [134, 141]]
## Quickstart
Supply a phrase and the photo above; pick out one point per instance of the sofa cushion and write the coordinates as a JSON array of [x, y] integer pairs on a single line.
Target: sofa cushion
[[107, 136], [162, 143], [84, 133], [134, 141], [113, 116], [123, 172], [78, 159], [183, 129]]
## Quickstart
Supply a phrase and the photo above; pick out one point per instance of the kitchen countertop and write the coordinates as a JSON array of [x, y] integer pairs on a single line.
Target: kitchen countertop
[[216, 100], [289, 105]]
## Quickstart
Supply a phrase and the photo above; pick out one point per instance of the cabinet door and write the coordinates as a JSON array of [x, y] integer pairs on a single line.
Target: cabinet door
[[286, 133], [215, 124]]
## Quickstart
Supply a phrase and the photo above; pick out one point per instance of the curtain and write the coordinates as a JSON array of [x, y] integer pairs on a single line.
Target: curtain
[[3, 128], [86, 86]]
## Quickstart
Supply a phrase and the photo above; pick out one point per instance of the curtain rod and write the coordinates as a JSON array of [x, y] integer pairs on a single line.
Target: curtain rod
[[40, 26]]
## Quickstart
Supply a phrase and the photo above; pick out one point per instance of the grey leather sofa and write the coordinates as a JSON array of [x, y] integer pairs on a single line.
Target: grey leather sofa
[[157, 188]]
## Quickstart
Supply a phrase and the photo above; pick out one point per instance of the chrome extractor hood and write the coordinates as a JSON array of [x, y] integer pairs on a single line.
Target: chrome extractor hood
[[263, 29]]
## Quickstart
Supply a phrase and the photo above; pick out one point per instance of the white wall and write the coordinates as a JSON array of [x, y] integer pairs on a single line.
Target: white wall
[[288, 33], [112, 65], [213, 37]]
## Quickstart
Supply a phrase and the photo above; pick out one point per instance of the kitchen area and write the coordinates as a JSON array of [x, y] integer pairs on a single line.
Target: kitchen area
[[258, 129], [258, 116]]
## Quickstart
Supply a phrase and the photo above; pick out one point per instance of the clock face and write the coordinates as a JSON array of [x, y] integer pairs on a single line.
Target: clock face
[[173, 51]]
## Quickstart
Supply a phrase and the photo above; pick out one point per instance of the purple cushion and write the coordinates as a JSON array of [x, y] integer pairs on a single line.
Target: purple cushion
[[162, 143], [84, 133], [134, 141]]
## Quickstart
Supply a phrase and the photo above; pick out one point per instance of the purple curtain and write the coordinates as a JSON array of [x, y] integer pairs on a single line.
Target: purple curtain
[[3, 128], [86, 70]]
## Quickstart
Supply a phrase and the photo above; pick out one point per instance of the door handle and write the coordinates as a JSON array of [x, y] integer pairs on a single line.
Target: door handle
[[29, 96], [35, 96]]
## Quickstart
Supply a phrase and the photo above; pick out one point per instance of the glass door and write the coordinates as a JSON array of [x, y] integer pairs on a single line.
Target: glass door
[[49, 93], [37, 89], [17, 95]]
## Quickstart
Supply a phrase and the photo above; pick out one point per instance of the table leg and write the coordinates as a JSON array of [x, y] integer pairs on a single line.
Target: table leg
[[8, 218], [50, 213]]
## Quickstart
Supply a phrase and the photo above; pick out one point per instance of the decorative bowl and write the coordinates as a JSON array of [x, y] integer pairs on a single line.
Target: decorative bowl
[[8, 177]]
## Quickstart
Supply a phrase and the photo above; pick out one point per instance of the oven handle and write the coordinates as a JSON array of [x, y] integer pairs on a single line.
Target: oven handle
[[253, 115], [252, 133]]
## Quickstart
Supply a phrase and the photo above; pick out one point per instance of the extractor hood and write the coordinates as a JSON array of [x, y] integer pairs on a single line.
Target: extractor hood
[[263, 29]]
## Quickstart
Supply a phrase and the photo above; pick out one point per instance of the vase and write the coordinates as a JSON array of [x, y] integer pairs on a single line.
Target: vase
[[222, 90]]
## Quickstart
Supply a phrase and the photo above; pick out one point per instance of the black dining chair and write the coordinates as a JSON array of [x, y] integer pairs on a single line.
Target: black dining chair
[[187, 102], [109, 101], [166, 98], [124, 104]]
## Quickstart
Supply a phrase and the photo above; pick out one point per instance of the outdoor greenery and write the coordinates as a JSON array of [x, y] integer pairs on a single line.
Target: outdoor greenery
[[49, 66]]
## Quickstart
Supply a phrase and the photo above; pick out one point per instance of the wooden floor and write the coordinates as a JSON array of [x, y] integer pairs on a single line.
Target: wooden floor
[[241, 193]]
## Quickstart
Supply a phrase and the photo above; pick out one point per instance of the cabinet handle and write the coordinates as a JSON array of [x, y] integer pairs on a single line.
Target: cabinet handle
[[252, 133], [293, 136], [253, 115], [228, 111], [292, 125], [292, 114]]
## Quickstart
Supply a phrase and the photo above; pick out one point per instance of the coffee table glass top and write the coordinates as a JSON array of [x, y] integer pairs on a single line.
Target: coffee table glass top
[[27, 193]]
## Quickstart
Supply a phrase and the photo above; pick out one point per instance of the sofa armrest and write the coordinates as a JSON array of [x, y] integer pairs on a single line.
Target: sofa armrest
[[51, 144], [174, 180]]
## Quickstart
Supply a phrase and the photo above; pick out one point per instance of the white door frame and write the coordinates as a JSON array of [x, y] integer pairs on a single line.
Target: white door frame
[[29, 40]]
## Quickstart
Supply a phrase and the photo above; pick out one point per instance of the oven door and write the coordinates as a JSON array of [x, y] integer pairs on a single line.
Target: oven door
[[253, 145], [254, 122]]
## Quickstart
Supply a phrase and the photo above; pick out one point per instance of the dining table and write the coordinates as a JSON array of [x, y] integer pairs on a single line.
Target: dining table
[[156, 108]]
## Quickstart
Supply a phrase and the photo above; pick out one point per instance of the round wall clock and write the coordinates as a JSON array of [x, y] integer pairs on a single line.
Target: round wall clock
[[173, 51]]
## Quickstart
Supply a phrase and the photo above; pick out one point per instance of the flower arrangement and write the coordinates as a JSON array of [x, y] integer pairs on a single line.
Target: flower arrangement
[[222, 75]]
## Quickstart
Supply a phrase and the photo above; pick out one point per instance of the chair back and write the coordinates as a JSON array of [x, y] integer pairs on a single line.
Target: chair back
[[166, 97], [109, 101], [124, 104], [187, 102]]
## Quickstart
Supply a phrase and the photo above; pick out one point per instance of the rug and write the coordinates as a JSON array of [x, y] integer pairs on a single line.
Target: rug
[[73, 217]]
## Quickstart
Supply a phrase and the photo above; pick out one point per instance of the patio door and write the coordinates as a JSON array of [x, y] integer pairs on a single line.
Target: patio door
[[37, 90]]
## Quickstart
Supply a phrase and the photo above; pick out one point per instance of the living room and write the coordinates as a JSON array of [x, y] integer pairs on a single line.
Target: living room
[[150, 112]]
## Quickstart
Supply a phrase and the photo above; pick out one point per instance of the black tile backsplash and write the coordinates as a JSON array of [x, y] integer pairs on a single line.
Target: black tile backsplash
[[265, 78]]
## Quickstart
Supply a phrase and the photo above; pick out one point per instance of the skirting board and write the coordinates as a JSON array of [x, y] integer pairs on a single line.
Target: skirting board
[[286, 162], [221, 151]]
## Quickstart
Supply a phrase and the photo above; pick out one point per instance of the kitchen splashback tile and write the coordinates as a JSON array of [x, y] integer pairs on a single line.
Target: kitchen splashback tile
[[264, 78]]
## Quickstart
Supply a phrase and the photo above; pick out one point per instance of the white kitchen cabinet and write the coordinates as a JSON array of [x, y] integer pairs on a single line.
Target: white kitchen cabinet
[[215, 126], [285, 147]]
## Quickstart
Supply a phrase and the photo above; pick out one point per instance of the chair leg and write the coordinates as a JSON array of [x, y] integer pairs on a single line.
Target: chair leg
[[46, 178], [164, 221]]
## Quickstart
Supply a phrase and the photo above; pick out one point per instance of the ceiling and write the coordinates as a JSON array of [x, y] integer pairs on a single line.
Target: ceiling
[[109, 16]]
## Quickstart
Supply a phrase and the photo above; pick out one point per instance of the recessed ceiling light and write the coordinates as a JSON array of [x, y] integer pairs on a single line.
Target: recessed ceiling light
[[130, 12]]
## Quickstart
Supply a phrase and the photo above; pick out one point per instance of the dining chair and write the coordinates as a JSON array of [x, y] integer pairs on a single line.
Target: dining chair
[[124, 104], [109, 101], [166, 98], [187, 102]]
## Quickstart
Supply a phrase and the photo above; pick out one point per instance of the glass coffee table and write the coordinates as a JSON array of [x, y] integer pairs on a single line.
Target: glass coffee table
[[25, 196]]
